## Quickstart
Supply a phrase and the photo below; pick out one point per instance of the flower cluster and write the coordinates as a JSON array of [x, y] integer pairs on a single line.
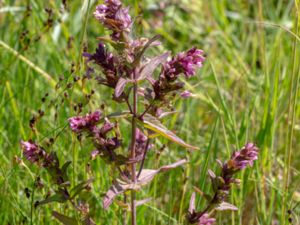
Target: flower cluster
[[36, 154], [104, 144], [32, 152], [222, 184], [184, 63], [114, 17], [88, 122], [241, 159]]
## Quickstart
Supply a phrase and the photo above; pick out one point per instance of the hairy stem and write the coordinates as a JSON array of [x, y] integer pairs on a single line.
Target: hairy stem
[[132, 153]]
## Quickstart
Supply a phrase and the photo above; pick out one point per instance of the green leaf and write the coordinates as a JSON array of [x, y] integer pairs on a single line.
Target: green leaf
[[64, 170], [119, 115], [155, 125], [78, 188], [64, 219], [60, 197]]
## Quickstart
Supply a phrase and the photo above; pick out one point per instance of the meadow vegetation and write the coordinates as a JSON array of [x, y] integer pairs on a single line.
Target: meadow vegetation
[[246, 91]]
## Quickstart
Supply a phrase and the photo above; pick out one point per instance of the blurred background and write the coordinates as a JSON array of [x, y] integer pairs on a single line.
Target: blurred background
[[246, 91]]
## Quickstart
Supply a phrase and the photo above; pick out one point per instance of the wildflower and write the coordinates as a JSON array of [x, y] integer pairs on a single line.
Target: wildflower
[[205, 220], [106, 127], [79, 123], [243, 158], [222, 184], [32, 152], [185, 94], [114, 17], [107, 62], [184, 62], [94, 154]]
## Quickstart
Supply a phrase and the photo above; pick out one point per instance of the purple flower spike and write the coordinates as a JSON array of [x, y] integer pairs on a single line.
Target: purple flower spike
[[114, 17], [205, 220], [106, 128], [31, 151], [185, 62], [243, 158], [79, 123]]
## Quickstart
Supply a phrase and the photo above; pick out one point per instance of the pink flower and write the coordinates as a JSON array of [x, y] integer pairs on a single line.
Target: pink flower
[[113, 16], [243, 158], [184, 62], [31, 151], [79, 123], [205, 220], [185, 94]]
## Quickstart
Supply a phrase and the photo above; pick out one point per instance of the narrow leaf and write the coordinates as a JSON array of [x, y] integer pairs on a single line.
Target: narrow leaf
[[117, 188], [58, 197], [149, 43], [149, 68], [226, 206], [120, 86], [118, 115], [155, 125], [64, 219], [146, 176], [78, 188]]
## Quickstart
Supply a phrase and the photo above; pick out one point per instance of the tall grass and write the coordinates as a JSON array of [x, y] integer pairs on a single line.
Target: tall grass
[[247, 90]]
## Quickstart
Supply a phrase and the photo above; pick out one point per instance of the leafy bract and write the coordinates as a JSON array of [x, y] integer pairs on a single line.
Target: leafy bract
[[64, 219], [145, 177], [149, 68], [151, 123]]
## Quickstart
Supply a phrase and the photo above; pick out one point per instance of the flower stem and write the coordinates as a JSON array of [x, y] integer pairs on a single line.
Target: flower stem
[[132, 153]]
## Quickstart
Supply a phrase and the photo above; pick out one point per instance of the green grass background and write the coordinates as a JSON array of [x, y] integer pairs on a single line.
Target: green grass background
[[246, 91]]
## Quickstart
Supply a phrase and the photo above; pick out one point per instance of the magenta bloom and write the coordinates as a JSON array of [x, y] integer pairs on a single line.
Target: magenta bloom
[[184, 62], [114, 17], [243, 158], [107, 126], [185, 94], [31, 151], [205, 220], [80, 123]]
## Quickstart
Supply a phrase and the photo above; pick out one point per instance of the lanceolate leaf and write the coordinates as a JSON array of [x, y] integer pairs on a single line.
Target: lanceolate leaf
[[78, 188], [226, 206], [149, 68], [155, 125], [117, 188], [146, 176], [118, 115], [64, 219], [60, 197], [120, 86], [149, 43]]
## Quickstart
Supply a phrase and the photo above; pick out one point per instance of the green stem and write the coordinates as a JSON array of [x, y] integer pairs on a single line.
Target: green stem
[[291, 117]]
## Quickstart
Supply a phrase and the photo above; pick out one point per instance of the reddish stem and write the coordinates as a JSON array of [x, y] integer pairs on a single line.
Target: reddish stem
[[132, 153]]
